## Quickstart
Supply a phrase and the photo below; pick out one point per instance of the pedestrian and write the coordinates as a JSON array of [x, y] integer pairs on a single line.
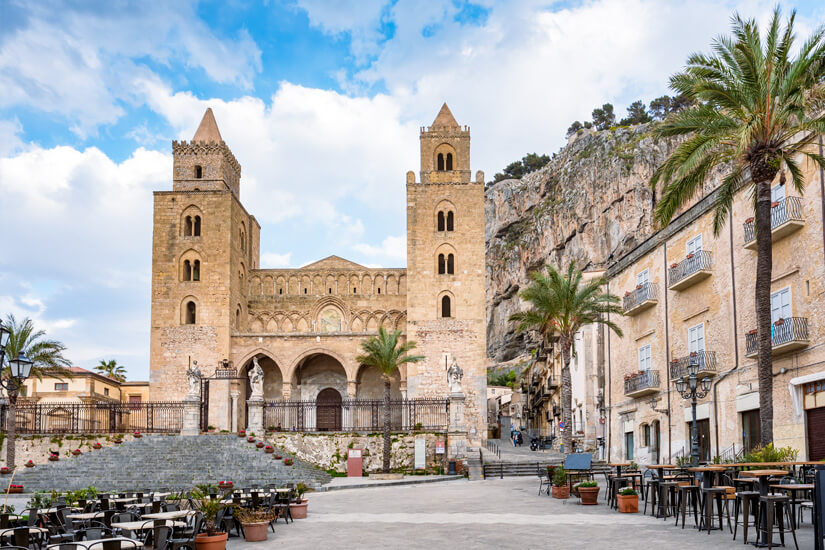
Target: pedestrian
[[515, 438], [520, 439]]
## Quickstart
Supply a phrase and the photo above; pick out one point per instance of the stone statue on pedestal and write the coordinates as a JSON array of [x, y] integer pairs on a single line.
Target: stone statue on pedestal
[[256, 380], [193, 375], [454, 375]]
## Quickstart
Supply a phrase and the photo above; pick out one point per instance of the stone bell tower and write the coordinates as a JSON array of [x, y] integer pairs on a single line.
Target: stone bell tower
[[446, 270]]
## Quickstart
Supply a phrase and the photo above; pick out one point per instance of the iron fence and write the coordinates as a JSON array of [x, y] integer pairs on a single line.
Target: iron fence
[[697, 261], [705, 360], [640, 295], [83, 418], [357, 415], [791, 329], [647, 379], [783, 211]]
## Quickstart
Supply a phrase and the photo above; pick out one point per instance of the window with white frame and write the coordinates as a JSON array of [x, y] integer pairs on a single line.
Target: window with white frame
[[695, 244], [644, 358], [696, 338], [781, 304], [643, 278], [777, 193]]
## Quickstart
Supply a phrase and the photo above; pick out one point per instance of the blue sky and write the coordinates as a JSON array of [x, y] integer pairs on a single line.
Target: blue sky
[[320, 101]]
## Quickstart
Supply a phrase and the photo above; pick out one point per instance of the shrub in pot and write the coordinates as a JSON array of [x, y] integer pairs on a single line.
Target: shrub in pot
[[259, 444], [287, 462], [212, 539], [53, 458], [560, 488], [137, 435], [29, 464], [242, 433], [250, 439], [278, 457], [77, 452], [299, 507], [588, 492], [5, 471], [269, 449], [255, 522], [628, 501], [15, 488], [96, 445]]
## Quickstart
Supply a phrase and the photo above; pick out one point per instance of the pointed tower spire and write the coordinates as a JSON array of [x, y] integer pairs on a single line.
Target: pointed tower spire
[[208, 129], [445, 118]]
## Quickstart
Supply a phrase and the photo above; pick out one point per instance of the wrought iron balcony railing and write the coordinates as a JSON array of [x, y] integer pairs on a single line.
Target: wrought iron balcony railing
[[705, 360], [693, 268], [786, 217], [642, 383], [644, 296], [786, 335]]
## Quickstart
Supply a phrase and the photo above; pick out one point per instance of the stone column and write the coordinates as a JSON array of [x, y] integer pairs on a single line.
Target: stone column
[[255, 422], [352, 389], [191, 416], [233, 409], [457, 430], [286, 391]]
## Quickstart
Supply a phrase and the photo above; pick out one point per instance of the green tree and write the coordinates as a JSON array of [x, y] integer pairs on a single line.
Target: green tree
[[604, 117], [516, 170], [111, 369], [636, 114], [507, 378], [575, 127], [385, 353], [754, 116], [561, 305], [47, 360]]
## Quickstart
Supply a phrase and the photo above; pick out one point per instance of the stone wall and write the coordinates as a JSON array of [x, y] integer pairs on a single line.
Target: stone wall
[[36, 447]]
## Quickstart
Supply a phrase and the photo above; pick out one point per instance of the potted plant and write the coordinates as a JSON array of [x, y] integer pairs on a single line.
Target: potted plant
[[259, 444], [255, 522], [137, 435], [278, 457], [212, 539], [754, 331], [287, 462], [269, 449], [96, 445], [674, 266], [250, 439], [298, 508], [117, 440], [689, 256], [5, 471], [779, 322], [54, 458], [241, 433], [29, 464], [15, 488], [225, 485], [77, 452], [749, 220], [588, 493], [560, 488], [628, 500]]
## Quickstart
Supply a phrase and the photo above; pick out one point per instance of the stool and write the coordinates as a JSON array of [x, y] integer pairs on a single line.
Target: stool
[[717, 494], [748, 503], [651, 492], [666, 498], [683, 493], [616, 485], [774, 510]]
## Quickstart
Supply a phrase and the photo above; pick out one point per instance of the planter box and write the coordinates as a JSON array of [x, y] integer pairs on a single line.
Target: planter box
[[628, 504], [299, 510], [255, 532], [15, 489], [589, 495], [561, 492]]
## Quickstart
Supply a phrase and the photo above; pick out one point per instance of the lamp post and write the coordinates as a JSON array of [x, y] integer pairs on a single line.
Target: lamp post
[[690, 387], [20, 368]]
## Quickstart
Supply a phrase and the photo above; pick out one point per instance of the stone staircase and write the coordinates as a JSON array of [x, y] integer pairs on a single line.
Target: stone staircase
[[175, 462]]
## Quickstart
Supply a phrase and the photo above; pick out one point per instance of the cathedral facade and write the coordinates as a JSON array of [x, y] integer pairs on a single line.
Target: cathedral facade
[[212, 303]]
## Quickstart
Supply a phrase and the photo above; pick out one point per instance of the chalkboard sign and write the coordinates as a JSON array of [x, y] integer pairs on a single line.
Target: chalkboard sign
[[819, 507], [578, 461]]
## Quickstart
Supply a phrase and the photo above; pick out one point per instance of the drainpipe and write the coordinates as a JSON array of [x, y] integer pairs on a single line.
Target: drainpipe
[[667, 361], [735, 336], [609, 390], [822, 194]]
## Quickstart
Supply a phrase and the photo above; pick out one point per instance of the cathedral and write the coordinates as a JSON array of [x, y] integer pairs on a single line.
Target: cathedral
[[213, 304]]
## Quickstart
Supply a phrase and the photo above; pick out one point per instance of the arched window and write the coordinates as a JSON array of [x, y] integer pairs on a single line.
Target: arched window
[[196, 227], [187, 271], [238, 318], [354, 290], [445, 306], [187, 226], [450, 220], [441, 264], [440, 162], [440, 224], [449, 161], [191, 313], [198, 172], [450, 264], [379, 290], [196, 270], [280, 291]]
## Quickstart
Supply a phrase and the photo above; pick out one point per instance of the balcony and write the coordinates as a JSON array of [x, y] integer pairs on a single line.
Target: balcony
[[642, 383], [643, 297], [786, 217], [689, 271], [787, 334], [706, 360]]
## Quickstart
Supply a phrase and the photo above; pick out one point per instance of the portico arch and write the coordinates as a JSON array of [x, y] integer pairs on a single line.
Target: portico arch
[[316, 370], [371, 383], [273, 375]]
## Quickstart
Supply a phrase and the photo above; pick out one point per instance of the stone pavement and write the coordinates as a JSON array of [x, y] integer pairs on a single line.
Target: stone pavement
[[337, 483], [509, 453], [480, 514]]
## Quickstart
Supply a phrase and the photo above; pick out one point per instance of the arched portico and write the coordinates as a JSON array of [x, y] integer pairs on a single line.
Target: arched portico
[[316, 372], [370, 384]]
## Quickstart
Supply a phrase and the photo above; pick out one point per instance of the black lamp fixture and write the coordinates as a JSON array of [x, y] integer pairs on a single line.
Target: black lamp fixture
[[690, 387]]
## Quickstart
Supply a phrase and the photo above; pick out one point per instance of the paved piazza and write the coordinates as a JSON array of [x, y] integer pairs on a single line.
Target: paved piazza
[[481, 514]]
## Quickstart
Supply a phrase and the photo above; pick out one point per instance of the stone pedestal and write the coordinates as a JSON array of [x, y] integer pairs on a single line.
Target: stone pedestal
[[457, 431], [255, 422], [191, 416]]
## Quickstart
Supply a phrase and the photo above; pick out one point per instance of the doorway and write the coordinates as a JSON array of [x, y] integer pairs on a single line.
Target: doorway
[[703, 429], [750, 430], [328, 410], [816, 435]]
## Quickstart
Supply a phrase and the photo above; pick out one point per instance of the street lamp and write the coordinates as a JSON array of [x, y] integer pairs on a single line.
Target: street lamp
[[20, 368], [690, 387]]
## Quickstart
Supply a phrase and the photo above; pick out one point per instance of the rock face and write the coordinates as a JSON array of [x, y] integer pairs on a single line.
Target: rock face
[[591, 203]]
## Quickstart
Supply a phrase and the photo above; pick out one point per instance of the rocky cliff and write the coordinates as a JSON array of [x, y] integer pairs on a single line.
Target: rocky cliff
[[591, 203]]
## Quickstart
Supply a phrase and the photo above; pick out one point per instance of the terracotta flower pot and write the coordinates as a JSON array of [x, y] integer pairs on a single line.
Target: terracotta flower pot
[[255, 532], [97, 446], [77, 452], [628, 504], [225, 485], [278, 457], [251, 439], [29, 464], [674, 266], [5, 471], [288, 462], [205, 542], [137, 435], [269, 451], [16, 489], [562, 492], [118, 441], [589, 495], [260, 444], [299, 510], [241, 433], [54, 458]]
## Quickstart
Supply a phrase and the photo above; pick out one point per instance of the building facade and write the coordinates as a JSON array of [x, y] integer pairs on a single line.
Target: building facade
[[688, 298], [212, 303]]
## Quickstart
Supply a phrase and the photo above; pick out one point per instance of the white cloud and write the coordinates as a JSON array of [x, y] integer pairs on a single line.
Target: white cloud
[[337, 17], [273, 260], [392, 248], [10, 141]]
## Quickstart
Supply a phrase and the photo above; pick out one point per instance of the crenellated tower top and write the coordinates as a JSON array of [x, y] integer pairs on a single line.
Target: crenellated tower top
[[206, 163], [445, 150]]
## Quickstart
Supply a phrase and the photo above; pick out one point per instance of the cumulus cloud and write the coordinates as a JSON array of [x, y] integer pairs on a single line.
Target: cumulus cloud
[[273, 260], [338, 17], [392, 248]]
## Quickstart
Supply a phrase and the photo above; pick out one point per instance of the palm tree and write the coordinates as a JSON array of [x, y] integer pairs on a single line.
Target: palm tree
[[111, 369], [47, 360], [561, 306], [387, 355], [754, 112]]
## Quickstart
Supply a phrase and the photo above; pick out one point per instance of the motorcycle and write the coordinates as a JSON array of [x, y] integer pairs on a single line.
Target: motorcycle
[[534, 444]]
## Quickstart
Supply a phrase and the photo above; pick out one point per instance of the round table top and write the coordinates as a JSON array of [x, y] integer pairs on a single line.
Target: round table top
[[619, 464], [795, 486], [661, 467], [780, 464], [763, 473], [707, 469]]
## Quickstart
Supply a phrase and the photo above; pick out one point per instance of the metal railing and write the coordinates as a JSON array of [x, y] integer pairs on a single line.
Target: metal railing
[[647, 379], [432, 415], [790, 208], [82, 418], [493, 447], [731, 454], [789, 330], [698, 261], [641, 294], [706, 361]]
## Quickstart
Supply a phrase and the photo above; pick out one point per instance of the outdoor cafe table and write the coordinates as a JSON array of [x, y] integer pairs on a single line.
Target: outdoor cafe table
[[659, 470], [793, 489], [707, 483], [148, 524], [132, 542], [86, 515], [169, 515], [123, 499], [619, 466], [763, 476], [10, 530]]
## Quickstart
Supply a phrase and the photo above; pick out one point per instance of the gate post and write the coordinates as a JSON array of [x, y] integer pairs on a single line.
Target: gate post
[[191, 415], [255, 422]]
